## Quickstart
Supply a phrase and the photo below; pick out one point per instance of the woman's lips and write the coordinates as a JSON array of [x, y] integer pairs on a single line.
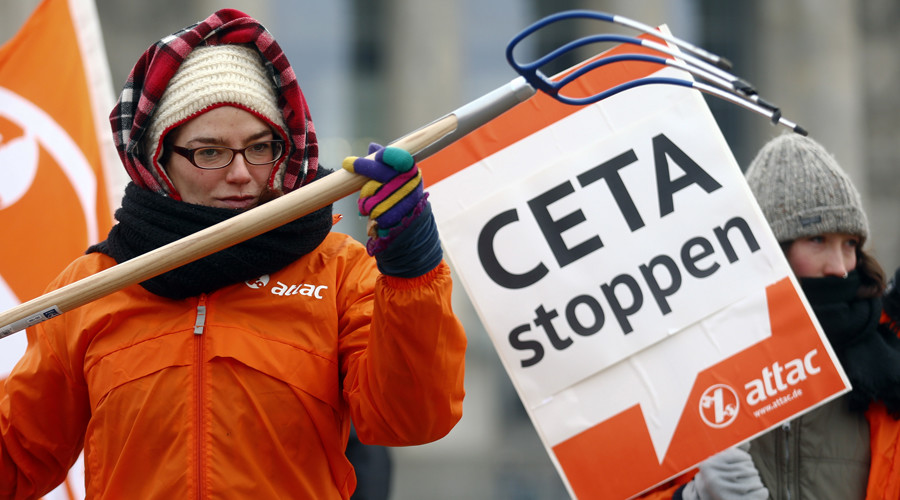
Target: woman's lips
[[238, 201]]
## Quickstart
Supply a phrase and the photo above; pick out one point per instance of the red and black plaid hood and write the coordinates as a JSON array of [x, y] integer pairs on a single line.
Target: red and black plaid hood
[[148, 80]]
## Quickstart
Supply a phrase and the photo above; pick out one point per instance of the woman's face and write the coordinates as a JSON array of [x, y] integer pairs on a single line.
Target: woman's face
[[829, 254], [238, 185]]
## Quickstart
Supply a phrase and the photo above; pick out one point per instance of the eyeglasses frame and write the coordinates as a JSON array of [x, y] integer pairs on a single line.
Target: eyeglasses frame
[[189, 153]]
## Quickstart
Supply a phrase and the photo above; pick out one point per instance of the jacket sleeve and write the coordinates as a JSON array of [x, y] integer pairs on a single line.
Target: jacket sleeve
[[404, 383], [43, 416], [670, 490]]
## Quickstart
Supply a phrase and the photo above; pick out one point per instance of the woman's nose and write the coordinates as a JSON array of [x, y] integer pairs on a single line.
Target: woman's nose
[[238, 170], [836, 264]]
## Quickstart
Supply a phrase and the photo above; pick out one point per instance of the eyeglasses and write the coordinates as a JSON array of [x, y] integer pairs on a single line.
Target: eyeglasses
[[216, 157]]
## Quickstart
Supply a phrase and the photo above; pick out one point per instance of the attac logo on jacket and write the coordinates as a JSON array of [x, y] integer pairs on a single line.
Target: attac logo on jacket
[[286, 290], [260, 282]]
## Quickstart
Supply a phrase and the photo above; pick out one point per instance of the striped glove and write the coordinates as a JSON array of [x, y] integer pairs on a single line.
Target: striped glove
[[402, 234]]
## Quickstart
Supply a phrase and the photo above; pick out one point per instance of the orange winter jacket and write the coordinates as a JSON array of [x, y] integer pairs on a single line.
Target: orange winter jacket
[[247, 392]]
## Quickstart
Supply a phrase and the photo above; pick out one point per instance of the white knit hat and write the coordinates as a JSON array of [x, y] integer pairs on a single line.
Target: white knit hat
[[803, 192], [211, 76]]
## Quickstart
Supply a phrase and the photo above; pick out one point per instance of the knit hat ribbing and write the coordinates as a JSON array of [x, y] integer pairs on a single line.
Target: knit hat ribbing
[[803, 192], [208, 77]]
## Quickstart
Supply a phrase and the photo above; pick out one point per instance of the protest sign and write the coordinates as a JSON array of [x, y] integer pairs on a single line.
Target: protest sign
[[55, 149], [630, 285]]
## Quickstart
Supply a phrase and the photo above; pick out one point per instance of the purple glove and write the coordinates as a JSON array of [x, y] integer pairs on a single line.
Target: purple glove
[[403, 236], [395, 188]]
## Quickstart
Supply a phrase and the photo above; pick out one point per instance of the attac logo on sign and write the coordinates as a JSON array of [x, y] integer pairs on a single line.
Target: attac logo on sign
[[629, 282]]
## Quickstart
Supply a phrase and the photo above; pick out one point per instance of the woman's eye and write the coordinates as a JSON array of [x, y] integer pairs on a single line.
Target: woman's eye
[[207, 153]]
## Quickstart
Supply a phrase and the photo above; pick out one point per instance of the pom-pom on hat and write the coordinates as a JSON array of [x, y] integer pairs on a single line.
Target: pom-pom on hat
[[211, 76], [803, 192]]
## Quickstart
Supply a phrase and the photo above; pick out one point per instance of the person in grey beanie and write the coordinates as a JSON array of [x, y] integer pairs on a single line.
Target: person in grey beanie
[[847, 448], [803, 192]]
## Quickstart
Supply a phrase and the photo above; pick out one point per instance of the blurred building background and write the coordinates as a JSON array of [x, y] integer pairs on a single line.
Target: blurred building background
[[373, 70]]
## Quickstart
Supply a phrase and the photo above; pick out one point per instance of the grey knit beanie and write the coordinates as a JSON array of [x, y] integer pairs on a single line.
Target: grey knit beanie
[[803, 191]]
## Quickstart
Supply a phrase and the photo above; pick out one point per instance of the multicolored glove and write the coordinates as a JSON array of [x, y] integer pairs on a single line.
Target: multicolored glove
[[727, 475], [402, 234]]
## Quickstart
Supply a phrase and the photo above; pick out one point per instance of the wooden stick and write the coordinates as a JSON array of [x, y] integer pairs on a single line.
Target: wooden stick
[[275, 213]]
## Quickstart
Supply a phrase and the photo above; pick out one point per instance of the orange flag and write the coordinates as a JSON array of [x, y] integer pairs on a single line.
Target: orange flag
[[54, 200], [56, 155]]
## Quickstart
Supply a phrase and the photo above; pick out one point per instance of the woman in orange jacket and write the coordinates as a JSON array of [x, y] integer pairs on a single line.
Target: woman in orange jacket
[[238, 375], [848, 448]]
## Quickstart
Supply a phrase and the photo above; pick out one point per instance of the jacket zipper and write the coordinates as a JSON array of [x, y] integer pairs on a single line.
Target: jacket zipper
[[788, 486], [199, 326]]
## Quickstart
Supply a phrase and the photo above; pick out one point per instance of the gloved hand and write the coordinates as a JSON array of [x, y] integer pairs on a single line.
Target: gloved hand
[[727, 475], [402, 234], [891, 298]]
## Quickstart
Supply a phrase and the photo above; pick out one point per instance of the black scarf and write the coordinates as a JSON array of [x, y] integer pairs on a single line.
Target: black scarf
[[148, 221], [868, 352]]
